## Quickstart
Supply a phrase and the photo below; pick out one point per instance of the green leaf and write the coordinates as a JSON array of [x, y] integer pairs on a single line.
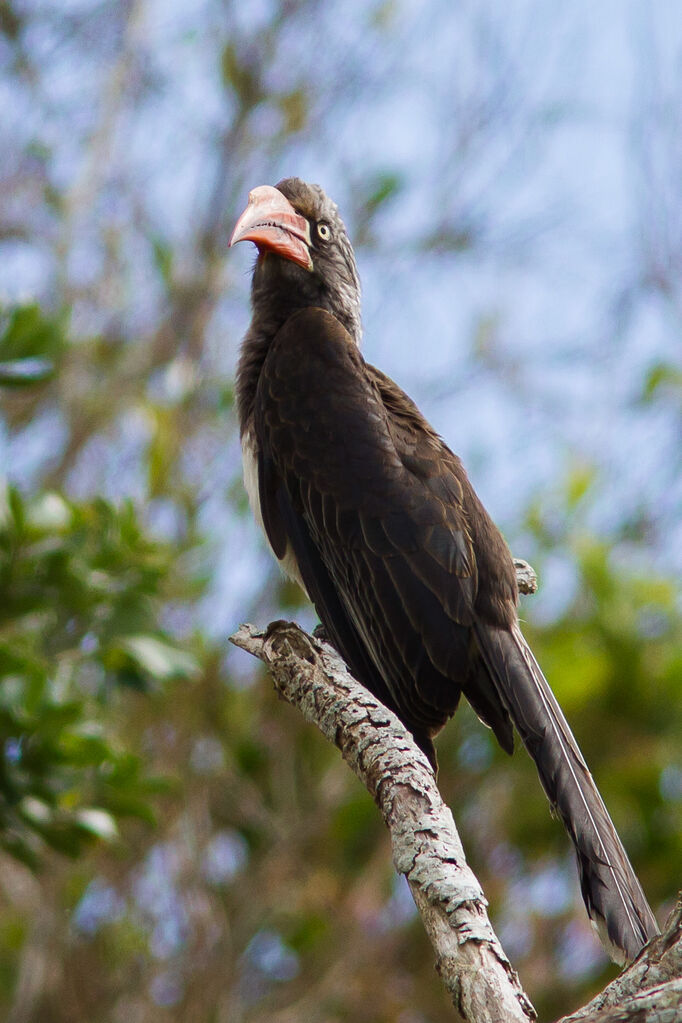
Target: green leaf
[[294, 107], [662, 375], [35, 810], [383, 188], [26, 332], [49, 512], [580, 479], [160, 659], [239, 74], [163, 259], [21, 372], [97, 822]]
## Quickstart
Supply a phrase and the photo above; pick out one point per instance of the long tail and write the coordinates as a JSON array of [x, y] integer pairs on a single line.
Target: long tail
[[613, 896]]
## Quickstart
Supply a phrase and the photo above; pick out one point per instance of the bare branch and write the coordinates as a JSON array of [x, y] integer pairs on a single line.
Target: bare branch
[[426, 847], [526, 578], [311, 675], [650, 990]]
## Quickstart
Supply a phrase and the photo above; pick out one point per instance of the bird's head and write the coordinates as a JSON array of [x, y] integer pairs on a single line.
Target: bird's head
[[305, 257]]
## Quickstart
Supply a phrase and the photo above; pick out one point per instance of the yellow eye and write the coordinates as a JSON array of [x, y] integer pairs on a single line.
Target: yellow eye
[[324, 231]]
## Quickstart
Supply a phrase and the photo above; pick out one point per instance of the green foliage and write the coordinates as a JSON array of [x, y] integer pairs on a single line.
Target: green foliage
[[662, 378], [240, 73], [30, 345], [80, 588], [381, 189], [163, 259], [294, 107]]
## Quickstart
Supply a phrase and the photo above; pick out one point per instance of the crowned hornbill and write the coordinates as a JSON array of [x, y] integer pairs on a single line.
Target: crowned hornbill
[[366, 507]]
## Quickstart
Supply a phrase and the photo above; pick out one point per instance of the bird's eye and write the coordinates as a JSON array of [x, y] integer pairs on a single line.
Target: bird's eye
[[324, 231]]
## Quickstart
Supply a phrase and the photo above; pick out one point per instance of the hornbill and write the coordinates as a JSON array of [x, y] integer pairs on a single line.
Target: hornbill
[[367, 508]]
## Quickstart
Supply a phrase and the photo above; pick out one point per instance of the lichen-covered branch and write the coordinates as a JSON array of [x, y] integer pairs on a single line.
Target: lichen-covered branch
[[650, 990], [426, 847], [311, 675], [526, 579]]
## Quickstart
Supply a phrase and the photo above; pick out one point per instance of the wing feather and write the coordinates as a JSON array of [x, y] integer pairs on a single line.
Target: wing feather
[[372, 501]]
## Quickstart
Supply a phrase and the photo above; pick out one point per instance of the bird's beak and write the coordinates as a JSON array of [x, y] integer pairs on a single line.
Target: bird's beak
[[272, 223]]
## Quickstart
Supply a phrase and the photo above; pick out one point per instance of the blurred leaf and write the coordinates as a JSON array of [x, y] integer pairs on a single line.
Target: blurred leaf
[[383, 15], [163, 258], [294, 106], [580, 479], [98, 822], [10, 21], [384, 187], [661, 376], [35, 810], [159, 659], [162, 450], [238, 73], [28, 333], [19, 372], [49, 513]]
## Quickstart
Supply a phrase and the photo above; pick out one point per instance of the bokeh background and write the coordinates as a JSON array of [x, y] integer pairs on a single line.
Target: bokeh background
[[176, 843]]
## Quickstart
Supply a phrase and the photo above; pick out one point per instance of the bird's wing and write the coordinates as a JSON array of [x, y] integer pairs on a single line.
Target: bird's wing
[[372, 503]]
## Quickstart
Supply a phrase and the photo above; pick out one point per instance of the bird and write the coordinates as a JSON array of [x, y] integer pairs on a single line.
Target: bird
[[367, 508]]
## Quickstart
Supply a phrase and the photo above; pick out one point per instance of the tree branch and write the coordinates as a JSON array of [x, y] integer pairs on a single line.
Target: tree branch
[[426, 847], [648, 991], [310, 674], [526, 579]]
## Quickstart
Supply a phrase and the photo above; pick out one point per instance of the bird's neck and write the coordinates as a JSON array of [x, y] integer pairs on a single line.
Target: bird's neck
[[273, 302]]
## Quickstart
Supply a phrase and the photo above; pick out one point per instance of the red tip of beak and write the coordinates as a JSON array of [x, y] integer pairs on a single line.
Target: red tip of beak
[[271, 222]]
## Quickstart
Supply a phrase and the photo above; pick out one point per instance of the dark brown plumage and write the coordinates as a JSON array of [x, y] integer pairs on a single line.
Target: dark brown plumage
[[372, 513]]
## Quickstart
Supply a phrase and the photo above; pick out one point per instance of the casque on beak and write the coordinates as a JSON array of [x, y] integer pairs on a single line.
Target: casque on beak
[[271, 222]]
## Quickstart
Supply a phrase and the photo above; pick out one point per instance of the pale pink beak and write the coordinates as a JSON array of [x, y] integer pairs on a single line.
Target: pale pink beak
[[272, 223]]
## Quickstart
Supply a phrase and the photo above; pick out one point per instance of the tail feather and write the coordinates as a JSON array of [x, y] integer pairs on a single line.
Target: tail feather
[[613, 896]]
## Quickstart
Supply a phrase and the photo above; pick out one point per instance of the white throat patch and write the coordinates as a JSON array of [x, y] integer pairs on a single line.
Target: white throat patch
[[250, 468]]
